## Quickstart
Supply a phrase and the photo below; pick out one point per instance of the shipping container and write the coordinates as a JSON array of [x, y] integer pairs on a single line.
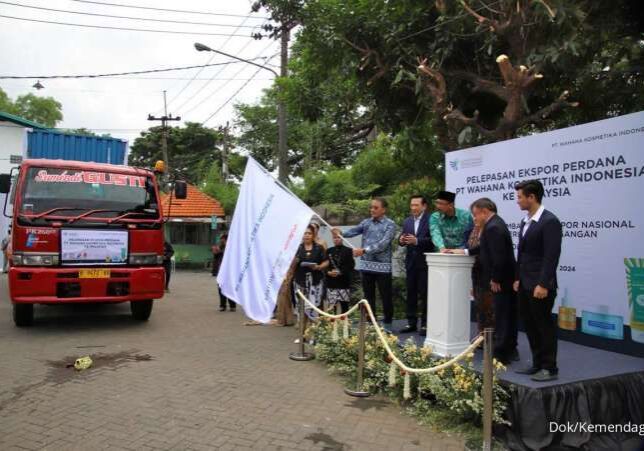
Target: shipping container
[[66, 146]]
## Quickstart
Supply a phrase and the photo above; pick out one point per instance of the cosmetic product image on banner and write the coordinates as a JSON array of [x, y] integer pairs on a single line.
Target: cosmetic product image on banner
[[599, 321], [567, 317], [635, 285]]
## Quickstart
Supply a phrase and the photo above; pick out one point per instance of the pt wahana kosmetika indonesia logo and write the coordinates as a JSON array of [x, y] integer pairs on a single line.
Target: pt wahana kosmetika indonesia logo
[[454, 164]]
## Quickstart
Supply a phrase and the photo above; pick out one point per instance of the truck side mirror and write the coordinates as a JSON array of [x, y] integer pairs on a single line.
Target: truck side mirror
[[5, 183], [180, 189]]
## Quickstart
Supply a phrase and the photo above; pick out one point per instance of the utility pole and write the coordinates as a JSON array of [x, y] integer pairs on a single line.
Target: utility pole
[[224, 152], [164, 134], [282, 151]]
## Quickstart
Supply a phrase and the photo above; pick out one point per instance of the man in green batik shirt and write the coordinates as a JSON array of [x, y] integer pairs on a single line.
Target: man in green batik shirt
[[448, 225]]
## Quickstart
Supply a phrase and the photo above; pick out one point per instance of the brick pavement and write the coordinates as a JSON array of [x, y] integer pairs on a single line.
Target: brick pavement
[[190, 378]]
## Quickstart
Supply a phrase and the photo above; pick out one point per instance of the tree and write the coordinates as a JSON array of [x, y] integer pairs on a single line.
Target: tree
[[43, 110], [487, 70], [225, 192], [191, 150], [431, 77], [327, 119], [85, 132]]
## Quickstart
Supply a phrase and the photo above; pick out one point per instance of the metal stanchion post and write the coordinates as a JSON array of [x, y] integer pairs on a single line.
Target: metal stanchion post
[[302, 355], [359, 392], [488, 375]]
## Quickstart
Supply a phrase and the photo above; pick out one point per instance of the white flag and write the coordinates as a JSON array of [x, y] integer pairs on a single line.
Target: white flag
[[266, 230]]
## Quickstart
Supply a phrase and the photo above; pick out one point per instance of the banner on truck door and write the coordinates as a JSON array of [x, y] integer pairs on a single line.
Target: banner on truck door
[[94, 247]]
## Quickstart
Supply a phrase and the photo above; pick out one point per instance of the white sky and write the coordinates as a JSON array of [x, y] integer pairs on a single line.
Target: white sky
[[121, 106]]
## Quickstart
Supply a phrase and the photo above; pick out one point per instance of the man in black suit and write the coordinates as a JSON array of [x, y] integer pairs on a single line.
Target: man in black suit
[[495, 275], [536, 279], [416, 238]]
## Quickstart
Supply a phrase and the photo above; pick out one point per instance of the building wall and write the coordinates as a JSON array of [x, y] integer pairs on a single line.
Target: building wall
[[13, 141], [191, 250], [191, 255]]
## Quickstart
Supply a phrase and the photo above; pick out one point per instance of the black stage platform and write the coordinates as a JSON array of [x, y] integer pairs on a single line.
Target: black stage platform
[[595, 387]]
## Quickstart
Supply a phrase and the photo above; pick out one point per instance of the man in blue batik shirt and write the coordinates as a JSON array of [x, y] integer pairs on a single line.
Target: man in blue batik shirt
[[375, 263]]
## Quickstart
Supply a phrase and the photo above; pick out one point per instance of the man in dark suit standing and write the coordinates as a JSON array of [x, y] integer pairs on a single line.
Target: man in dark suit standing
[[536, 279], [495, 275], [416, 238]]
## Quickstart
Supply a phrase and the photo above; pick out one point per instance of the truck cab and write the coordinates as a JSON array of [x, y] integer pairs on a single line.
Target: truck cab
[[82, 233]]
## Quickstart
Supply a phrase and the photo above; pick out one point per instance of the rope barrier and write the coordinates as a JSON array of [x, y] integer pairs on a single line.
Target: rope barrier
[[476, 342], [397, 364]]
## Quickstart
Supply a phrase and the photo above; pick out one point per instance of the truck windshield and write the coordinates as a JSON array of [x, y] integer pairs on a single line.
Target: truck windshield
[[71, 193]]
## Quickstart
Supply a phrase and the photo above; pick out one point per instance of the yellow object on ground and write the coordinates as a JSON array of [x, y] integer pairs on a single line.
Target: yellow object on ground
[[83, 363]]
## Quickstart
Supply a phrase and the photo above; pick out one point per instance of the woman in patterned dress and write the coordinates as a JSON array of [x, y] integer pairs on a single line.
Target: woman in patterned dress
[[309, 272]]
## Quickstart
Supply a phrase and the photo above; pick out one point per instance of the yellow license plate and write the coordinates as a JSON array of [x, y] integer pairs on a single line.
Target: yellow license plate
[[94, 274]]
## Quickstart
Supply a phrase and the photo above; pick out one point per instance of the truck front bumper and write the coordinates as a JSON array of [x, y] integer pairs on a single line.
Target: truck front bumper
[[37, 285]]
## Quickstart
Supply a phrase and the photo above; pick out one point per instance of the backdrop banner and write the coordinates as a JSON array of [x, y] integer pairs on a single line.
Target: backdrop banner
[[266, 230], [593, 175]]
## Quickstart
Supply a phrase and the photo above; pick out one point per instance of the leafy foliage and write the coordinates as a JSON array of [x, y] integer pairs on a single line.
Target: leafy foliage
[[191, 150], [457, 388], [225, 192], [43, 110], [85, 132], [431, 77], [569, 50]]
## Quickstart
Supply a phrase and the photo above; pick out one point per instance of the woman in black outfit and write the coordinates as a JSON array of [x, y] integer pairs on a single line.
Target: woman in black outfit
[[338, 277], [309, 272], [218, 258]]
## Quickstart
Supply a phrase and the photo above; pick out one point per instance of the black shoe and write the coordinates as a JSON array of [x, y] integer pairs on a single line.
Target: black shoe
[[222, 309], [530, 370], [233, 309], [544, 376], [423, 332], [407, 329]]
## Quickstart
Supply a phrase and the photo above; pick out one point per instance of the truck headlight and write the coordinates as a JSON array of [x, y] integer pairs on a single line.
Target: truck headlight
[[145, 259], [35, 259]]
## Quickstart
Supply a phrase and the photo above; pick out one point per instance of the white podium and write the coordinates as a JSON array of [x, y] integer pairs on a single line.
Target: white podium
[[449, 281]]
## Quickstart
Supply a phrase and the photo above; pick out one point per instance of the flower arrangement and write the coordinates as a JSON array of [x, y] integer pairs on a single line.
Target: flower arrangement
[[456, 388]]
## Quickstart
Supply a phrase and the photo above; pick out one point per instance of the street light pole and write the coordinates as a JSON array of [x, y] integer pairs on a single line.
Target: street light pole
[[282, 150]]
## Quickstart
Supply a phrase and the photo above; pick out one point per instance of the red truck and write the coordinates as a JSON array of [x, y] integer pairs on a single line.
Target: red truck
[[84, 232]]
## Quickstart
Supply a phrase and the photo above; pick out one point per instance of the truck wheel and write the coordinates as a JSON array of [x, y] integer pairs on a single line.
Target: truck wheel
[[141, 309], [23, 314]]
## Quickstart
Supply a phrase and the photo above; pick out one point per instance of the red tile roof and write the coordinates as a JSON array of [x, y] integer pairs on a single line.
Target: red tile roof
[[196, 205]]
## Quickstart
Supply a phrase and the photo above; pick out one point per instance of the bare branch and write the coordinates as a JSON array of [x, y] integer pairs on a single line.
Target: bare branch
[[545, 112], [458, 116], [479, 18], [481, 84]]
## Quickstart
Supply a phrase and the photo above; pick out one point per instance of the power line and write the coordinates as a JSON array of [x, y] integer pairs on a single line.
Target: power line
[[209, 60], [206, 13], [66, 11], [105, 27], [203, 86], [229, 99], [173, 79], [45, 77], [205, 99]]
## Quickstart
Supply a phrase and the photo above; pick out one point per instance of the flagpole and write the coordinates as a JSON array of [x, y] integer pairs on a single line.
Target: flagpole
[[285, 188]]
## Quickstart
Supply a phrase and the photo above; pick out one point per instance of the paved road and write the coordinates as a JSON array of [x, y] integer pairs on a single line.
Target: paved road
[[190, 378]]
